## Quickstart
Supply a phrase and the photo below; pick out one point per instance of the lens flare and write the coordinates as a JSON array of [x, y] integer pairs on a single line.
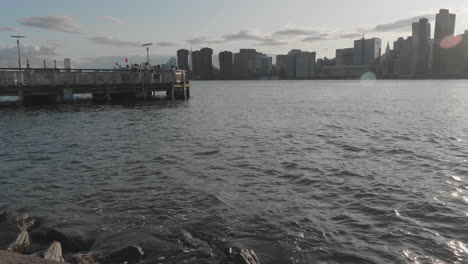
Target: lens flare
[[450, 41]]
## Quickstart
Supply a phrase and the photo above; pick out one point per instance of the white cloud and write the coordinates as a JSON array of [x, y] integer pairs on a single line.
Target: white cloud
[[108, 40], [113, 19], [35, 54], [59, 23], [13, 29]]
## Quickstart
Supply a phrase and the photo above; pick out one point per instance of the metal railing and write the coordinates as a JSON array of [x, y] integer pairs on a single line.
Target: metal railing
[[38, 77]]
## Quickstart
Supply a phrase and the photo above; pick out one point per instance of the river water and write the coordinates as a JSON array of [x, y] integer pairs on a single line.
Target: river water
[[300, 172]]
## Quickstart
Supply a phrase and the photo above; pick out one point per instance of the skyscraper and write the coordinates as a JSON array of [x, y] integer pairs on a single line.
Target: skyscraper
[[305, 65], [344, 57], [225, 65], [281, 65], [366, 51], [421, 47], [183, 59], [244, 64], [196, 64], [206, 72], [445, 26], [291, 63]]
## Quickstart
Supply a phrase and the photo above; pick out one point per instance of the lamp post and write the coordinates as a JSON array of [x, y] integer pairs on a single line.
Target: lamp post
[[19, 54], [147, 51]]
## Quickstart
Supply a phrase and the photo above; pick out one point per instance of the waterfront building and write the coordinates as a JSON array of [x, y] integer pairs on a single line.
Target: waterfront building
[[281, 65], [344, 57], [291, 63], [267, 66], [464, 45], [183, 59], [206, 71], [404, 56], [444, 27], [225, 65], [366, 51], [421, 47], [387, 62], [258, 63], [244, 64], [196, 64], [305, 65]]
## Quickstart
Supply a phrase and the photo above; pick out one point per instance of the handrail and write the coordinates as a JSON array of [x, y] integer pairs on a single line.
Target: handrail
[[84, 70]]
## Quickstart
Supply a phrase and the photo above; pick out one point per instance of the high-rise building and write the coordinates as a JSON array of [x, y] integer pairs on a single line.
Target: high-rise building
[[444, 27], [196, 64], [464, 44], [225, 65], [267, 66], [291, 63], [421, 47], [206, 71], [281, 65], [344, 57], [244, 64], [366, 51], [305, 65], [183, 59], [404, 56]]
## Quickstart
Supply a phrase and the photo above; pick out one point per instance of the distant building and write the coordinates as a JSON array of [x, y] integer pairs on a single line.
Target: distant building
[[258, 63], [267, 66], [225, 65], [281, 65], [305, 65], [244, 64], [366, 51], [404, 56], [183, 59], [206, 64], [291, 63], [67, 63], [196, 64], [421, 47], [344, 57], [464, 45], [444, 26]]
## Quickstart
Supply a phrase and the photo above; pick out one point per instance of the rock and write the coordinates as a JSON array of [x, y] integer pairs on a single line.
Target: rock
[[240, 256], [130, 254], [54, 252], [71, 240], [202, 248], [84, 259], [13, 258], [13, 238], [21, 219]]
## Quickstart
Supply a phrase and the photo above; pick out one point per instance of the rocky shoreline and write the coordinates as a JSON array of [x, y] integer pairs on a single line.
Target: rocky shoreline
[[25, 239]]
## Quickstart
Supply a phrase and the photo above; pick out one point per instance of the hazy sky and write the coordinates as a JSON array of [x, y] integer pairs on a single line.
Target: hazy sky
[[86, 29]]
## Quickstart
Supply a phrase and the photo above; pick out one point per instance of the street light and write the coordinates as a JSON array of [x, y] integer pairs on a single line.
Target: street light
[[147, 51], [19, 54]]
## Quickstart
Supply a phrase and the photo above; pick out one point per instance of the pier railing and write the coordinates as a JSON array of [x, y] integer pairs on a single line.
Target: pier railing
[[60, 77]]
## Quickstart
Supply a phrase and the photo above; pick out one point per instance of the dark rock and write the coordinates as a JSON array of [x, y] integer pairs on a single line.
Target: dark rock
[[84, 259], [13, 238], [21, 219], [202, 248], [71, 240], [130, 254], [54, 252], [13, 258], [240, 256]]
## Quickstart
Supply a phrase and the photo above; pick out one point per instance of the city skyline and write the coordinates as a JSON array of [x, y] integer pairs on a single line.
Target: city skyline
[[56, 30]]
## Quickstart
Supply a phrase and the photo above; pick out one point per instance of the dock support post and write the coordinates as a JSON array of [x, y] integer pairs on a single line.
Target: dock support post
[[172, 91], [20, 93], [108, 95], [59, 94]]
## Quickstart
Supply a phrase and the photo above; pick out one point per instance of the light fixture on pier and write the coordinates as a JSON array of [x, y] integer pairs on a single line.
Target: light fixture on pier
[[18, 44], [147, 51]]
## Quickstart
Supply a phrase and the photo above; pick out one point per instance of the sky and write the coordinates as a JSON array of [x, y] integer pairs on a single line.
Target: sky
[[96, 33]]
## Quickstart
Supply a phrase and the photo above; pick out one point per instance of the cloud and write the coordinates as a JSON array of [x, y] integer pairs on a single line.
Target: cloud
[[314, 39], [203, 40], [349, 35], [9, 29], [113, 19], [165, 43], [35, 54], [107, 40], [271, 42], [294, 31], [245, 35], [401, 25], [57, 42], [59, 23]]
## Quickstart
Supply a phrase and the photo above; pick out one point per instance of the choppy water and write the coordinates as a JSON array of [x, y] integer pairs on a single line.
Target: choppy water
[[301, 172]]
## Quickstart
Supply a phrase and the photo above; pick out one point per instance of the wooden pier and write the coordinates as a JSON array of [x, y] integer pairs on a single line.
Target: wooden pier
[[59, 86]]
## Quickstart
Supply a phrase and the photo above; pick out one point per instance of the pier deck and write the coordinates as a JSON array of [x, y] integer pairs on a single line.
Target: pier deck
[[60, 85]]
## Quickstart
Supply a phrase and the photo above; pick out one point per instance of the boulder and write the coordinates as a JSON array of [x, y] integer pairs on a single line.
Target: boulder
[[130, 254], [13, 238], [240, 256], [71, 240], [80, 258], [20, 219], [54, 252], [13, 258]]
